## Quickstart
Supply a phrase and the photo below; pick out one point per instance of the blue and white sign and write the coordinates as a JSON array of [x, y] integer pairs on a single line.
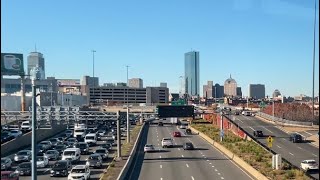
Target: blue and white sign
[[222, 133]]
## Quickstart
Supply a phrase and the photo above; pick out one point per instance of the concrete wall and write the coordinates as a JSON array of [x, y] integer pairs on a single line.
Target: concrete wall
[[25, 140], [13, 103]]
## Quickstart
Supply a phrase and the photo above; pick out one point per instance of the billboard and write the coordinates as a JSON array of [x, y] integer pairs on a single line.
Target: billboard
[[175, 111], [12, 64], [68, 82]]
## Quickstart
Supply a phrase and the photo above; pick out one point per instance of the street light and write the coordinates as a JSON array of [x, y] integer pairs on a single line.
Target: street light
[[128, 122], [314, 46], [93, 51]]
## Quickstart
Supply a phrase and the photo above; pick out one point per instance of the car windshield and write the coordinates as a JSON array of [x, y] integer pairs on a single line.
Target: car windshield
[[59, 147], [14, 131], [82, 145], [90, 137], [100, 151], [44, 143], [3, 161], [50, 152], [22, 153], [149, 145], [78, 171], [69, 153], [25, 165], [94, 157], [60, 165], [312, 162], [167, 139], [79, 130]]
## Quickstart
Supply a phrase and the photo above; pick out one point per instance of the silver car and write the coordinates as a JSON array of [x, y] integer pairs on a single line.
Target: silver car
[[52, 154], [5, 163], [24, 155], [103, 153]]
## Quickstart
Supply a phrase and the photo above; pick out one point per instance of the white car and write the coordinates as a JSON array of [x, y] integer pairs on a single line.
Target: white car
[[42, 161], [309, 165], [183, 126], [167, 142], [148, 148], [26, 126], [79, 172], [16, 133]]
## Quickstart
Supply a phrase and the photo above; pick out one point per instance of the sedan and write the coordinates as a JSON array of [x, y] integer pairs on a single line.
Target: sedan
[[94, 160], [5, 163], [176, 134], [103, 153], [24, 155], [188, 146], [24, 169], [107, 146], [52, 154], [16, 133], [101, 132], [258, 133], [61, 168], [307, 165], [148, 148], [42, 161], [60, 148]]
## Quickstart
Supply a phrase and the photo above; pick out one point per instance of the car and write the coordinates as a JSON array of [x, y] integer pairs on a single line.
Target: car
[[296, 138], [236, 113], [42, 161], [106, 145], [103, 152], [16, 133], [148, 148], [84, 147], [258, 133], [23, 155], [91, 139], [188, 131], [54, 141], [52, 154], [68, 133], [101, 132], [188, 146], [26, 126], [79, 172], [47, 144], [9, 175], [160, 123], [166, 142], [310, 164], [24, 169], [6, 164], [14, 127], [6, 136], [60, 148], [40, 149], [183, 126], [72, 140], [94, 160], [71, 154], [61, 168], [176, 134]]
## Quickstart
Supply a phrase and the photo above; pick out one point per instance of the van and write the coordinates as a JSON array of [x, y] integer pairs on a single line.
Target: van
[[71, 154], [26, 126], [91, 138], [79, 133]]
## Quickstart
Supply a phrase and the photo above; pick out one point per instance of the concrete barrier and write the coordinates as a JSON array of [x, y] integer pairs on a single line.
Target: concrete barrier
[[126, 167], [25, 140], [253, 172]]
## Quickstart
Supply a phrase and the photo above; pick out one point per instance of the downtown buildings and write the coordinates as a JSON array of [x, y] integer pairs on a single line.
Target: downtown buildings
[[257, 91], [191, 73], [36, 59]]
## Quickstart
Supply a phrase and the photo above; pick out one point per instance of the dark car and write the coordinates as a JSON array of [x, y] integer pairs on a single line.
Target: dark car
[[60, 148], [54, 141], [61, 168], [6, 163], [258, 133], [160, 123], [102, 152], [107, 146], [296, 138], [9, 175], [176, 134], [94, 160], [188, 146], [188, 131], [24, 169], [6, 136], [84, 147]]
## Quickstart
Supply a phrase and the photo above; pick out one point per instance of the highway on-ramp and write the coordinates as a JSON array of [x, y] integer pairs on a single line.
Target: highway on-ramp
[[205, 162]]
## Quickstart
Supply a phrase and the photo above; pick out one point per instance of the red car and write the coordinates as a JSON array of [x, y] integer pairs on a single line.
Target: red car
[[9, 175], [176, 134]]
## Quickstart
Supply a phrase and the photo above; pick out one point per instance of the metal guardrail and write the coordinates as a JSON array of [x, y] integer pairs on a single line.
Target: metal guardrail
[[281, 120]]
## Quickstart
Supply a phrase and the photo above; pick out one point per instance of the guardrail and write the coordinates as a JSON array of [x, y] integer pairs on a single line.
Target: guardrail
[[285, 121]]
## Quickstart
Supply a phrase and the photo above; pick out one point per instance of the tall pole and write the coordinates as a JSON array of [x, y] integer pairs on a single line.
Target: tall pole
[[93, 51], [118, 135], [23, 104], [314, 46], [34, 136], [221, 127], [273, 109], [128, 122]]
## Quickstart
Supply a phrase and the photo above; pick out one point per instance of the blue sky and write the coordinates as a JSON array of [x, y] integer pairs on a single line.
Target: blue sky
[[257, 41]]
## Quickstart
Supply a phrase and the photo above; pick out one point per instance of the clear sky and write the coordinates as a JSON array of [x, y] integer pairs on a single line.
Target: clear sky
[[257, 41]]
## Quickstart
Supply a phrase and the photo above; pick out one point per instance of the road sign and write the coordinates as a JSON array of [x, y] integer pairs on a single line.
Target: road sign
[[222, 133]]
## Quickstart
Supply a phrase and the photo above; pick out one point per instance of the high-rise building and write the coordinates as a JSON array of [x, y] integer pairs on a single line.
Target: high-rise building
[[230, 87], [36, 59], [218, 91], [191, 73], [136, 83], [208, 90], [239, 92], [163, 84], [257, 91]]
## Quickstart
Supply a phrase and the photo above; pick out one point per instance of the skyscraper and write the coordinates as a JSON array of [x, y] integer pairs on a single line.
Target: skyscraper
[[36, 59], [191, 73], [230, 87], [208, 90], [257, 91], [136, 83]]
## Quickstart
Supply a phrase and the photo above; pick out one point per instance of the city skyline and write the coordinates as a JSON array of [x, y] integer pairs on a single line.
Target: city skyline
[[261, 43]]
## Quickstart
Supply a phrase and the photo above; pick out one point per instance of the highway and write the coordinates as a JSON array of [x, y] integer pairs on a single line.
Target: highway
[[205, 162], [293, 152]]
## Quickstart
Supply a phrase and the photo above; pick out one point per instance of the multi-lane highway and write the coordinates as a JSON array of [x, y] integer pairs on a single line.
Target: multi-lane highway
[[293, 152], [205, 162]]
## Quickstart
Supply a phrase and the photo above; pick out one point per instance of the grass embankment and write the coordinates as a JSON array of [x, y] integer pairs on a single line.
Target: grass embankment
[[252, 153], [115, 167]]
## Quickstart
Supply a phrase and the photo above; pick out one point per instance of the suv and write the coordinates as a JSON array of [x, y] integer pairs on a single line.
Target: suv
[[84, 147], [61, 168], [296, 138], [166, 142], [79, 172], [94, 160], [258, 133], [26, 126]]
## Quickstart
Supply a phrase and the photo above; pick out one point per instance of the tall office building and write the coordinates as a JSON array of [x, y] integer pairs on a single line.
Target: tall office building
[[191, 73], [230, 87], [90, 81], [36, 59], [257, 91], [136, 83], [218, 91], [208, 90], [239, 92]]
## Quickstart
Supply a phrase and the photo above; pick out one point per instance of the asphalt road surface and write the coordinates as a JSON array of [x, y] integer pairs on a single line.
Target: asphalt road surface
[[205, 162]]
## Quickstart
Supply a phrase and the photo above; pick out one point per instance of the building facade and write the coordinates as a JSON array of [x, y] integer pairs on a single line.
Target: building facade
[[191, 73], [163, 84], [90, 81], [239, 92], [257, 91], [230, 87], [36, 59], [208, 90], [218, 91], [136, 83]]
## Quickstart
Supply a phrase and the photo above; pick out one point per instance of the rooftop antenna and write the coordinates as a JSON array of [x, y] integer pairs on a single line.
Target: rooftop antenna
[[35, 47], [230, 76]]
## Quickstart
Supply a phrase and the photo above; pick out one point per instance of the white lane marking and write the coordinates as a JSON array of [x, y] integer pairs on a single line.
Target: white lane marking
[[210, 163], [240, 120], [187, 165], [267, 129], [216, 170], [182, 156], [160, 166], [299, 147], [207, 160], [308, 133], [160, 156], [315, 155], [219, 174], [179, 149], [192, 177], [291, 154], [222, 178], [213, 166], [278, 146], [251, 128]]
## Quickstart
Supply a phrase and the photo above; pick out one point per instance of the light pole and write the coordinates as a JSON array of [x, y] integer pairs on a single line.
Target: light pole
[[273, 110], [128, 122], [314, 46], [35, 76], [93, 51], [221, 126]]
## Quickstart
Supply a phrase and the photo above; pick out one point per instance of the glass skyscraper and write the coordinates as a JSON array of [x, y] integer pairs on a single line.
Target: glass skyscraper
[[191, 73]]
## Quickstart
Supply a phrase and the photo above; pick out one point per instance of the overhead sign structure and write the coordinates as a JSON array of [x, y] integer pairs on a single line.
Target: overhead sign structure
[[165, 111], [12, 64]]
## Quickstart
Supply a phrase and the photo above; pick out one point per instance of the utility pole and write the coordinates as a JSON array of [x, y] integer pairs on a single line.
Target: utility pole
[[93, 51], [314, 46], [118, 135], [221, 127], [128, 121]]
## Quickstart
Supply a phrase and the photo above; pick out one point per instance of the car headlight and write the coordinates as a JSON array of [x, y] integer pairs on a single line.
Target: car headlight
[[52, 171], [87, 163]]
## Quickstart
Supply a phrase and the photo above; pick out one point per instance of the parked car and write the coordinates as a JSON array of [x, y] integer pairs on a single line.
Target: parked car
[[42, 161], [94, 160], [103, 153], [24, 169], [61, 168], [6, 164], [52, 154], [258, 133], [79, 171], [176, 134], [296, 138], [307, 165], [148, 148], [188, 146], [9, 175], [23, 155], [16, 133]]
